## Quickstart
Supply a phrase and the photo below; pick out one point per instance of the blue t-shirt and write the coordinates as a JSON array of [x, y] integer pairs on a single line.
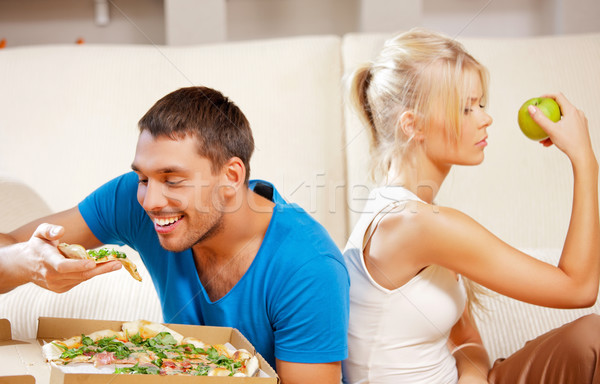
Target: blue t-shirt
[[292, 302]]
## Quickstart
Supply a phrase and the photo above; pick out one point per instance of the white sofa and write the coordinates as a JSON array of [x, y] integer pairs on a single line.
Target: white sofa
[[68, 123]]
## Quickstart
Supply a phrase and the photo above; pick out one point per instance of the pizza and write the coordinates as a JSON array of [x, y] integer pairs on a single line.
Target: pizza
[[145, 347], [102, 255]]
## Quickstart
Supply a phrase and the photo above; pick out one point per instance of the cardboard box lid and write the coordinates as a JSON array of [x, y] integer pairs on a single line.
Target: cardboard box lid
[[5, 332], [21, 379], [21, 362], [59, 377]]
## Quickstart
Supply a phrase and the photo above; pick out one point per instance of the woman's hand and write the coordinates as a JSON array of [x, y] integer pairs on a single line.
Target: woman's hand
[[570, 134]]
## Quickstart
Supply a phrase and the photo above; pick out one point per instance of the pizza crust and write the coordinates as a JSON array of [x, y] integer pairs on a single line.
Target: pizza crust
[[148, 329], [76, 251]]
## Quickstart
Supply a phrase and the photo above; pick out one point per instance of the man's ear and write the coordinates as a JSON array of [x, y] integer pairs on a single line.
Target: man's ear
[[234, 175], [408, 125]]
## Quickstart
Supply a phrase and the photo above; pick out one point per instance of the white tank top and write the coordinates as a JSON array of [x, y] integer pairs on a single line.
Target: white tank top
[[399, 336]]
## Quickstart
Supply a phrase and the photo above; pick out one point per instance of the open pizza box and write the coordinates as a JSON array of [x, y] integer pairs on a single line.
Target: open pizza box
[[22, 361]]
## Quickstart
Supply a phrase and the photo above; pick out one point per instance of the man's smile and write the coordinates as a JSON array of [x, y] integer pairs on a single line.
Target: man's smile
[[166, 224]]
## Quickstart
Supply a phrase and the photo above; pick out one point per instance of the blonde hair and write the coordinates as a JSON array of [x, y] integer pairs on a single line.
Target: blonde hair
[[418, 71]]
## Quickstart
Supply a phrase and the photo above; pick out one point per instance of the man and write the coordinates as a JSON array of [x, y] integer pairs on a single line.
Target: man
[[221, 250]]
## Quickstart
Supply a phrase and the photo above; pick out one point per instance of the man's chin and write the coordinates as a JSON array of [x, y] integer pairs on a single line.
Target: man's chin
[[171, 247]]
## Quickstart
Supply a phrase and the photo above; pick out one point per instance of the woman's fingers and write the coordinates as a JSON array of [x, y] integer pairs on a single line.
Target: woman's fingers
[[541, 119], [562, 101]]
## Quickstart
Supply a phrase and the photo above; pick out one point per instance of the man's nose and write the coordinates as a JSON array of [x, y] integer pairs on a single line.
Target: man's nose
[[154, 197]]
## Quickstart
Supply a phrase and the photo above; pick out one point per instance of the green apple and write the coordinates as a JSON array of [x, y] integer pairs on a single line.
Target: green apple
[[530, 128]]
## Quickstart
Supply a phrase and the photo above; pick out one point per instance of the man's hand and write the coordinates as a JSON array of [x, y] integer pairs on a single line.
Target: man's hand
[[39, 261]]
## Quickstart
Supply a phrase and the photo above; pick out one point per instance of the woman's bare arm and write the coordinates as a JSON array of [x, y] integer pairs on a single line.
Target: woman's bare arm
[[465, 344], [449, 238]]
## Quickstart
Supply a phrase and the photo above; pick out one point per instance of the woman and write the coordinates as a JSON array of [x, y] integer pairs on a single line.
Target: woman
[[423, 101]]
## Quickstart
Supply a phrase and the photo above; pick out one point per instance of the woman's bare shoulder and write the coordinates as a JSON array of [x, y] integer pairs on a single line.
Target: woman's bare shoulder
[[423, 218], [405, 239]]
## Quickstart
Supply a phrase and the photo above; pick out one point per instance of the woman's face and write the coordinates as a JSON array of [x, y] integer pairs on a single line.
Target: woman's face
[[468, 149]]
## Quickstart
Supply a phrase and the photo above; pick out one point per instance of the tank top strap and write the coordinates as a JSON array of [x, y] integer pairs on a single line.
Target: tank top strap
[[372, 227]]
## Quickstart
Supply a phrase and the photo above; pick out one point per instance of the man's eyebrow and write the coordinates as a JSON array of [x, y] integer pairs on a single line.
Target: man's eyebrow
[[171, 170], [166, 170]]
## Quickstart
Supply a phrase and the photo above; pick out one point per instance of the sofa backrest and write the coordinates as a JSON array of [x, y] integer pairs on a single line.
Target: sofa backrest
[[69, 114], [19, 204], [522, 191]]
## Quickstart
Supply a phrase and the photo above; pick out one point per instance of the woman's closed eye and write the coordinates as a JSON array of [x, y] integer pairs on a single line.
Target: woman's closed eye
[[467, 110]]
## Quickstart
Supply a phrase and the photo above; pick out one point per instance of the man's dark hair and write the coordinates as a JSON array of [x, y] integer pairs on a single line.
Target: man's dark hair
[[216, 122]]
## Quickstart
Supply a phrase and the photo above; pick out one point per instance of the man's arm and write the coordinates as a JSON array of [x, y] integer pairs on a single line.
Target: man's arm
[[299, 373], [29, 254], [311, 329]]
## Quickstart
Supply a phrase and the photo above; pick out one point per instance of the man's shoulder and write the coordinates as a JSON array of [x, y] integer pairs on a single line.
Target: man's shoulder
[[293, 230], [298, 226], [267, 190], [125, 183], [301, 239], [289, 216], [129, 179]]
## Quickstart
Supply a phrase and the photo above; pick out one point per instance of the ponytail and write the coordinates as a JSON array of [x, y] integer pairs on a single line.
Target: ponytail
[[359, 86]]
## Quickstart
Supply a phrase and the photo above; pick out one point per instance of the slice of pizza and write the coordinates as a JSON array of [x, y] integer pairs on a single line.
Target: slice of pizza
[[102, 255], [81, 349], [148, 329], [53, 351], [249, 362]]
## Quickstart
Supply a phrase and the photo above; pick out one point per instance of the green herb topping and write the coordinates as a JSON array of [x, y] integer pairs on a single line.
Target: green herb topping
[[104, 252]]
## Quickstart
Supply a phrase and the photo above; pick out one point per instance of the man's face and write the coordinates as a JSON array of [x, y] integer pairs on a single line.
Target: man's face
[[178, 190]]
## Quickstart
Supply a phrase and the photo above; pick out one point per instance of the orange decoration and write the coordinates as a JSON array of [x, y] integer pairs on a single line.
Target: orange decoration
[[80, 41], [2, 43]]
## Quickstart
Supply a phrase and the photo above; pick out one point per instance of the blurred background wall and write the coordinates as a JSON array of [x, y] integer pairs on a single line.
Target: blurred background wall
[[180, 22]]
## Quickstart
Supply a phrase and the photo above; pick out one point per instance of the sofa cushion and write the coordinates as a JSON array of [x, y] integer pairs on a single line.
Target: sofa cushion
[[72, 113]]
